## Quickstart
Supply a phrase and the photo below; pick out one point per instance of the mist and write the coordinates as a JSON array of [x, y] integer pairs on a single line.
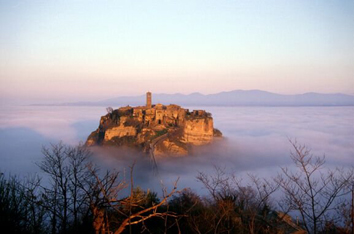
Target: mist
[[255, 140]]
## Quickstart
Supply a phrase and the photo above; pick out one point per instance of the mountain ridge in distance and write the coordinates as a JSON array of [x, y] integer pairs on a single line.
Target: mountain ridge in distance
[[229, 98]]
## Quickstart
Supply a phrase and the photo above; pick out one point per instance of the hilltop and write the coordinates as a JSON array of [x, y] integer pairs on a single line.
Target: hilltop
[[158, 129]]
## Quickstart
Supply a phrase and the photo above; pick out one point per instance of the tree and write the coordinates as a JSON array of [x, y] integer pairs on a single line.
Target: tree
[[20, 209], [77, 198], [238, 207], [190, 209], [109, 110], [65, 196], [312, 190], [135, 209], [12, 216], [103, 194], [79, 177], [32, 207]]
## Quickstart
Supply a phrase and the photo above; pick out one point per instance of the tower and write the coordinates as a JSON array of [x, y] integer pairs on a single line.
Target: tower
[[148, 99]]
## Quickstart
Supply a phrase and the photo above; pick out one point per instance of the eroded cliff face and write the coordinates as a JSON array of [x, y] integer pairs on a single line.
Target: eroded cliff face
[[170, 148], [120, 131], [198, 131], [165, 130]]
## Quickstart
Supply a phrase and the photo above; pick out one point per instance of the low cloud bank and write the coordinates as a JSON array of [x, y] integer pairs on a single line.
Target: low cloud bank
[[255, 141]]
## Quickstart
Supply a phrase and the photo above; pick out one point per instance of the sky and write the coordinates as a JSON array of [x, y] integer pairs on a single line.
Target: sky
[[55, 51]]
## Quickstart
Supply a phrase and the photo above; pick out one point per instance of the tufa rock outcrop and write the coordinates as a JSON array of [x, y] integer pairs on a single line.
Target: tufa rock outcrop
[[164, 130]]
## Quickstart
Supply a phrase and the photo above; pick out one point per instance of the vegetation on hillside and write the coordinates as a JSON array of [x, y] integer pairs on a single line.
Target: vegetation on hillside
[[78, 197]]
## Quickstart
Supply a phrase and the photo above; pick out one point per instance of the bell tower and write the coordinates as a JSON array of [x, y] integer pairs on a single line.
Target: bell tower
[[148, 100]]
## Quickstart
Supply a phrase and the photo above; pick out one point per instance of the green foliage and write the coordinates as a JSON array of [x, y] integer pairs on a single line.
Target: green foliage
[[129, 141], [133, 123], [160, 133], [127, 112], [115, 115]]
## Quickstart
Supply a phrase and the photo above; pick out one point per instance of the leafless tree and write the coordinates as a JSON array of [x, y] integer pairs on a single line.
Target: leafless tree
[[34, 211], [103, 193], [57, 194], [20, 209], [255, 201], [12, 217], [107, 191], [65, 199], [147, 213], [109, 110], [343, 216], [312, 190], [238, 205], [223, 195], [78, 162]]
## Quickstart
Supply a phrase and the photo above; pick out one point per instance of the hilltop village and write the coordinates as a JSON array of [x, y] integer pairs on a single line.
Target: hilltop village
[[158, 129]]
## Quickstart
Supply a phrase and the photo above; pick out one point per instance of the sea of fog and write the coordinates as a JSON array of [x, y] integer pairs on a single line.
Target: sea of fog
[[256, 140]]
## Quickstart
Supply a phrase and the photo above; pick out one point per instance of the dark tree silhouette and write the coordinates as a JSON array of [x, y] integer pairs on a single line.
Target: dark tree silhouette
[[65, 197]]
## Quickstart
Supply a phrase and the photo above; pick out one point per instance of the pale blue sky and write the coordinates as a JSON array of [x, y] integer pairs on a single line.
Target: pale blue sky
[[76, 50]]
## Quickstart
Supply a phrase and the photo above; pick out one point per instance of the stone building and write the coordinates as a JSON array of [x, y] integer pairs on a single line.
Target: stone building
[[171, 115], [140, 125]]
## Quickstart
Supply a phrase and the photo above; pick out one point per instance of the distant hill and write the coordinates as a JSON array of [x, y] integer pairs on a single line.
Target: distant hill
[[232, 98]]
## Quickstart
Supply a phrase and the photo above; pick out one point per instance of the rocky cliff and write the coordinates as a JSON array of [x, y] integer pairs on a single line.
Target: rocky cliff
[[165, 130]]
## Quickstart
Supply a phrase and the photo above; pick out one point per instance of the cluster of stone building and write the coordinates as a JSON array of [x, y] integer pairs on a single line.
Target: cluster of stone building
[[143, 123], [170, 115]]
